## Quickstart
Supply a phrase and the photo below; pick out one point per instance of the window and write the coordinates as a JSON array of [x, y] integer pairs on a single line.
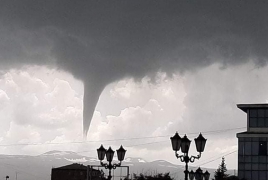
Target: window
[[255, 148], [255, 167], [261, 113], [262, 167], [247, 158], [241, 148], [253, 113], [255, 175], [241, 166], [248, 174], [247, 166], [261, 122], [255, 159], [247, 148], [253, 122], [258, 118], [262, 175], [262, 148], [266, 121]]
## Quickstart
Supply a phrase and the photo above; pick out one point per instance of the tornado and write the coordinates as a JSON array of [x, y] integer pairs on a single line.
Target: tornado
[[92, 92]]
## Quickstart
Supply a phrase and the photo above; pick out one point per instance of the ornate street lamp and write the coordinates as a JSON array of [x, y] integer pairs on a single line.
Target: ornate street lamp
[[121, 153], [176, 142], [206, 175], [200, 143], [109, 154], [102, 152], [191, 175], [199, 174], [184, 144]]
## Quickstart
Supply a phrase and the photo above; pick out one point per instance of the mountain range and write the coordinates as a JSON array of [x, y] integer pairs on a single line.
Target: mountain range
[[24, 167]]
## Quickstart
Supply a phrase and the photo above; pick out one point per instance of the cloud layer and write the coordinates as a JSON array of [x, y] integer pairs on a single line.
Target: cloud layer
[[103, 41], [43, 105]]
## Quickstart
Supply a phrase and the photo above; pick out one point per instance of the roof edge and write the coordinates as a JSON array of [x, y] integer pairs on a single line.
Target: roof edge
[[245, 107]]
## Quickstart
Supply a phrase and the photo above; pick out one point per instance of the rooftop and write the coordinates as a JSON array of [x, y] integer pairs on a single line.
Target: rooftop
[[74, 166], [245, 107], [247, 132]]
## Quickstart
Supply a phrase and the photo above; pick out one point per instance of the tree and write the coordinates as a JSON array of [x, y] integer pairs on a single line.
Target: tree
[[220, 173], [160, 176]]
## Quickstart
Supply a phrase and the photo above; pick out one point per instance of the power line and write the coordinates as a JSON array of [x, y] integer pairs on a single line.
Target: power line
[[135, 145], [212, 158], [217, 131], [216, 158], [146, 143], [208, 132], [111, 140]]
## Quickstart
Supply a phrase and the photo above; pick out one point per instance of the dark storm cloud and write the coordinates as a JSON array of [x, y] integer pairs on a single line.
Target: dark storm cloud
[[102, 41]]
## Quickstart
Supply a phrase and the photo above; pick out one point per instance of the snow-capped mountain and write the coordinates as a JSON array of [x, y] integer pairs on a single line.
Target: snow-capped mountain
[[39, 167]]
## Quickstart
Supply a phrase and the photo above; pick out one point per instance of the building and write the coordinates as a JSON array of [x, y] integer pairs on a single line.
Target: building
[[75, 172], [252, 144]]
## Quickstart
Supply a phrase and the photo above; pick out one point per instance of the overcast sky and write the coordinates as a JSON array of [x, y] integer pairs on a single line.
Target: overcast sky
[[157, 67]]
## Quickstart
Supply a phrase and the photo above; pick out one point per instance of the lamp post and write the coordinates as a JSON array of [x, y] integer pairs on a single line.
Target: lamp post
[[191, 175], [199, 175], [206, 175], [184, 144], [102, 152]]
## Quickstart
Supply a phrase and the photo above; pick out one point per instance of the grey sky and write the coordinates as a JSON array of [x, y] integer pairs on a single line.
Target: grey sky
[[119, 30], [86, 35], [103, 41], [100, 42]]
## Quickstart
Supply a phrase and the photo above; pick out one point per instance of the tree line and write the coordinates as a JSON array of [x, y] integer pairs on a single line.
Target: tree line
[[219, 174]]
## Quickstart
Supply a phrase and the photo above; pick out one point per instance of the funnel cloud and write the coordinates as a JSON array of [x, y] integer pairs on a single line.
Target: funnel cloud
[[99, 42]]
